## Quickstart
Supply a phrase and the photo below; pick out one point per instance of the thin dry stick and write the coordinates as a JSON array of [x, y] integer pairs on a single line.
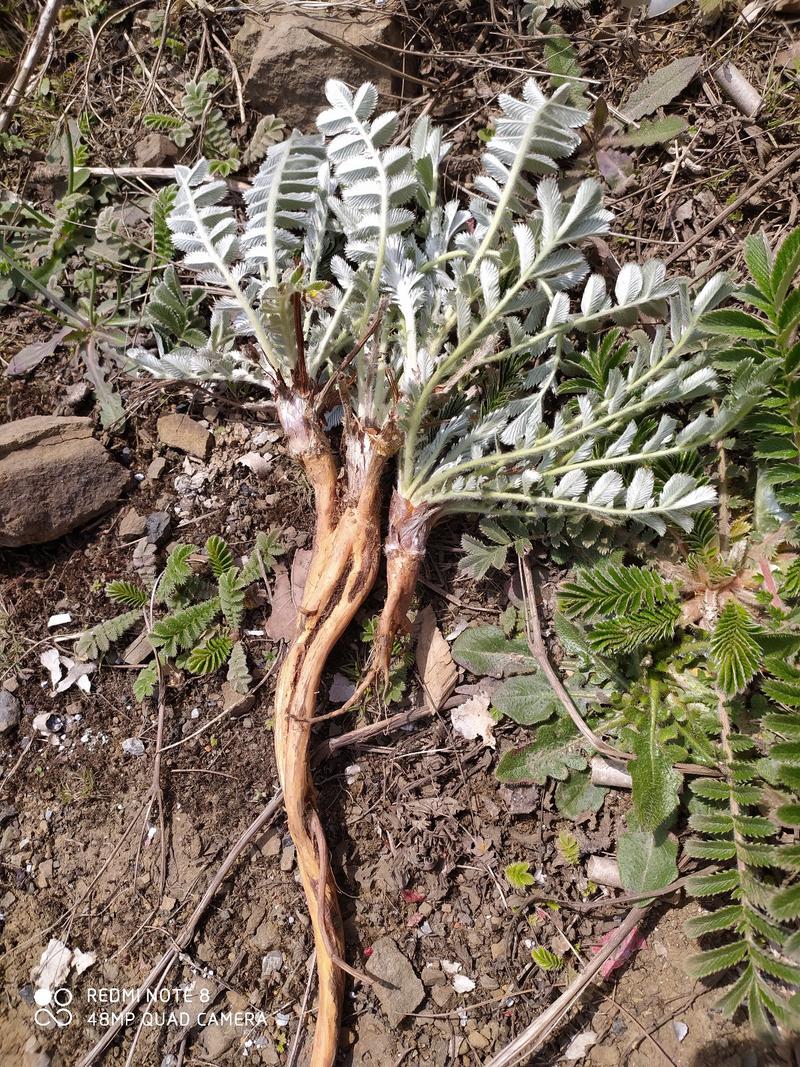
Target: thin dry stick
[[184, 937], [15, 93], [743, 198], [534, 1036], [262, 820], [533, 629], [312, 967]]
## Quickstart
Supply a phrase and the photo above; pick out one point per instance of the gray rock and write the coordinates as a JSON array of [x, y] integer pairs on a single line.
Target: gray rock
[[236, 703], [131, 525], [54, 478], [9, 711], [133, 746], [155, 150], [432, 976], [157, 527], [399, 990], [183, 433], [287, 65], [156, 469], [287, 859], [44, 874]]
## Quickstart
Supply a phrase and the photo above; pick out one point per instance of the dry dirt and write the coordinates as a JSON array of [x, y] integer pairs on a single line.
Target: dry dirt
[[419, 828]]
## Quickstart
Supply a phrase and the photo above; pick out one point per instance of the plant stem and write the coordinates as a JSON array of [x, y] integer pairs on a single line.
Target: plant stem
[[343, 568]]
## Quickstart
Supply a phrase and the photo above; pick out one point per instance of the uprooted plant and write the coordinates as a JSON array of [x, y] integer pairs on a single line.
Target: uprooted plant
[[395, 330]]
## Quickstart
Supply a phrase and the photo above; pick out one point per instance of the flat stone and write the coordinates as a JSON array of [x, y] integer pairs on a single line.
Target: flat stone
[[54, 478], [44, 874], [498, 950], [155, 150], [131, 525], [157, 527], [604, 1055], [9, 711], [399, 990], [156, 469], [442, 995], [186, 435], [271, 963], [287, 859], [236, 703], [287, 65], [433, 976], [476, 1040]]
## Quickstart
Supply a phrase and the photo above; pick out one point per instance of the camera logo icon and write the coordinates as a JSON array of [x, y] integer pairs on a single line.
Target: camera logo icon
[[53, 1008]]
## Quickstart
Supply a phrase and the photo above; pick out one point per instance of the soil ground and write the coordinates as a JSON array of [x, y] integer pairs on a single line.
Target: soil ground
[[419, 827]]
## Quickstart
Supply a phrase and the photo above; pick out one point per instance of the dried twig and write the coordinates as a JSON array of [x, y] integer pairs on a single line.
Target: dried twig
[[261, 822], [743, 198], [18, 86], [186, 934], [534, 1036], [533, 629]]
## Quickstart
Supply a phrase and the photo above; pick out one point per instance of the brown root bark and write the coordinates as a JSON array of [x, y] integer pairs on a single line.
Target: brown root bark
[[343, 568], [406, 543]]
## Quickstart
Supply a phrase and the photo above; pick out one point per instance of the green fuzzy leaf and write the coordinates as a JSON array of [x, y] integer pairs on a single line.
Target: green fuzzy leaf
[[485, 650], [163, 203], [181, 630], [730, 322], [268, 548], [548, 756], [781, 969], [734, 651], [209, 657], [656, 786], [753, 826], [238, 674], [568, 848], [178, 129], [641, 628], [786, 265], [711, 824], [231, 597], [647, 861], [660, 88], [785, 904], [709, 885], [101, 637], [176, 574], [738, 993], [710, 850], [219, 555], [723, 919], [127, 593], [519, 875], [146, 682], [654, 131], [612, 590], [759, 262], [703, 964], [480, 557], [577, 795], [545, 959], [174, 315], [527, 699], [269, 131]]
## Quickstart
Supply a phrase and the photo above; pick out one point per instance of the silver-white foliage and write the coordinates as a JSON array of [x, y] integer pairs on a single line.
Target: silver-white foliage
[[349, 227]]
